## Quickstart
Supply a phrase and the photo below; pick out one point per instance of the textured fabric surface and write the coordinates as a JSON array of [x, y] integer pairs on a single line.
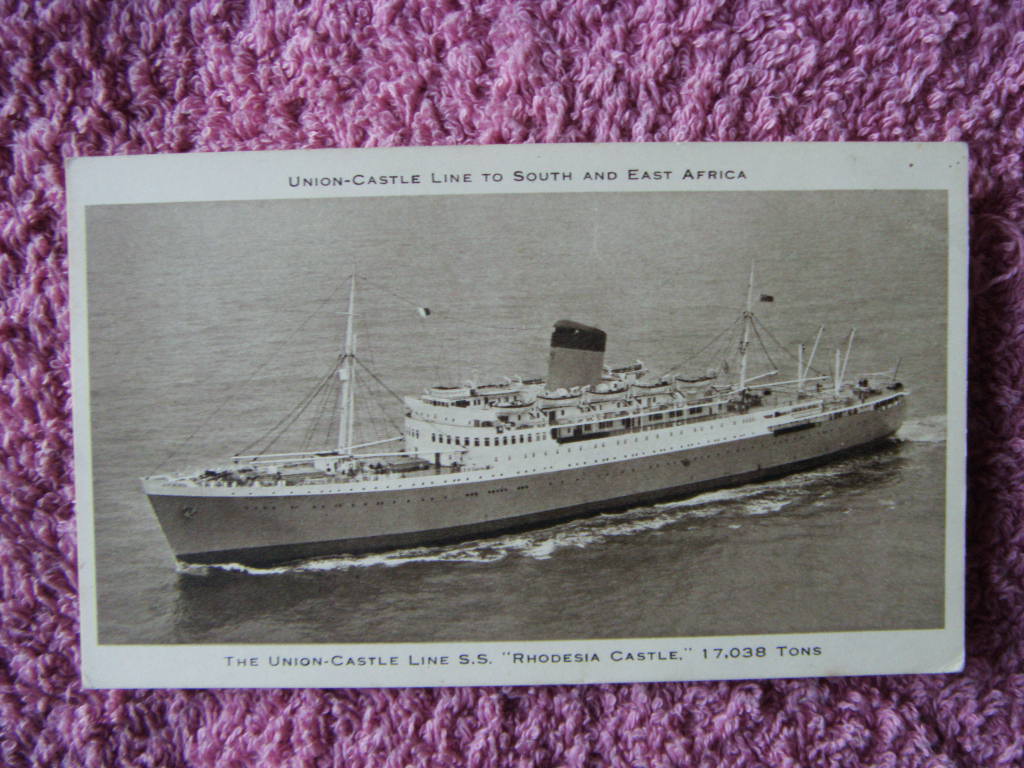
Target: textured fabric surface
[[90, 78]]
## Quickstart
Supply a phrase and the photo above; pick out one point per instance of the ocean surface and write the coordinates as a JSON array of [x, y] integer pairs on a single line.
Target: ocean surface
[[208, 323]]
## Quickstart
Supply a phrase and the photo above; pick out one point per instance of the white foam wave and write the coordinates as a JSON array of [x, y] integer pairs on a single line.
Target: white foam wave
[[766, 507], [928, 429], [540, 545], [466, 554], [713, 497], [190, 569]]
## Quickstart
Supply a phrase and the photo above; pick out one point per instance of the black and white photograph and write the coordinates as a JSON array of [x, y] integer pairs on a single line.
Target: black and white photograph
[[507, 419]]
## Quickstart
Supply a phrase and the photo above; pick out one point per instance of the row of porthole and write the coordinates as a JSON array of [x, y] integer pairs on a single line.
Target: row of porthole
[[448, 482], [506, 438], [691, 445], [685, 462], [431, 498]]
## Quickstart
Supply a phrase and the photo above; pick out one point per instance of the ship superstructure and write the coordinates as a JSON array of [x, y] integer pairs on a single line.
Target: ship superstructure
[[481, 458]]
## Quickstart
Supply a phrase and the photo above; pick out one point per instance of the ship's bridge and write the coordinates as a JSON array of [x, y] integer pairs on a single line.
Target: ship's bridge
[[510, 401], [432, 411], [448, 432], [469, 395]]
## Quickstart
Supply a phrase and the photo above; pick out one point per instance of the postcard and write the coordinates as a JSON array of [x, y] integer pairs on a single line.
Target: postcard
[[519, 414]]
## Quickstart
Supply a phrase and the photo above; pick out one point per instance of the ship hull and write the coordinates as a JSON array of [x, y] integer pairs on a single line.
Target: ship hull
[[266, 530]]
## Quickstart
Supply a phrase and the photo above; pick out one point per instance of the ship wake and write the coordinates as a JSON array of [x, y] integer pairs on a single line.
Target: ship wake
[[927, 429]]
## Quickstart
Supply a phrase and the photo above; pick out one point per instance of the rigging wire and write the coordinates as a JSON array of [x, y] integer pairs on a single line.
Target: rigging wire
[[764, 349], [366, 414], [286, 421], [389, 292], [323, 394], [298, 414], [722, 343], [329, 384], [357, 416], [173, 453], [729, 347], [781, 346], [702, 350], [386, 417], [377, 379], [379, 416], [444, 313], [333, 424], [329, 393]]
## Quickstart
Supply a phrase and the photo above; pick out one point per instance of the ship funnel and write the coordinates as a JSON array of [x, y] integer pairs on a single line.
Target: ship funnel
[[577, 356]]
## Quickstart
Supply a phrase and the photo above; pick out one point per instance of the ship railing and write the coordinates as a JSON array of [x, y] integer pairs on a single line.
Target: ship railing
[[880, 374], [760, 376], [173, 481], [710, 410], [789, 410], [785, 383], [811, 379], [843, 405], [303, 456], [647, 413]]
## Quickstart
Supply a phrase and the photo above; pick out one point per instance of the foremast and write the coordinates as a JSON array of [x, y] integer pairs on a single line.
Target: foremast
[[346, 374], [748, 320]]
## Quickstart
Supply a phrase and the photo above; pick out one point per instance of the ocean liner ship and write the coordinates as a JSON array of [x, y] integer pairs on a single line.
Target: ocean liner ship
[[482, 459]]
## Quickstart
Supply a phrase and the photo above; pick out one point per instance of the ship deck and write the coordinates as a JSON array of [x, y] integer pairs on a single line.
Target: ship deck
[[329, 468]]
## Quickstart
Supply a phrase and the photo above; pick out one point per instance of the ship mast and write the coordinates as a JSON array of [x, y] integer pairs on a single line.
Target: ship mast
[[814, 350], [846, 358], [747, 322], [346, 374]]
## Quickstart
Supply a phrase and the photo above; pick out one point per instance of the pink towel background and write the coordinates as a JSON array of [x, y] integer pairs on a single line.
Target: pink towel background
[[91, 78]]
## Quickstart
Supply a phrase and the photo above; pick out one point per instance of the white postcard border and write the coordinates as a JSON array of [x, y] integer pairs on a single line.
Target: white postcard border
[[735, 167]]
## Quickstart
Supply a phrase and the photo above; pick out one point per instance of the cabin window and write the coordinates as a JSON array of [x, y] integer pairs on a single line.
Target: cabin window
[[504, 441], [476, 442], [487, 442], [448, 440]]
